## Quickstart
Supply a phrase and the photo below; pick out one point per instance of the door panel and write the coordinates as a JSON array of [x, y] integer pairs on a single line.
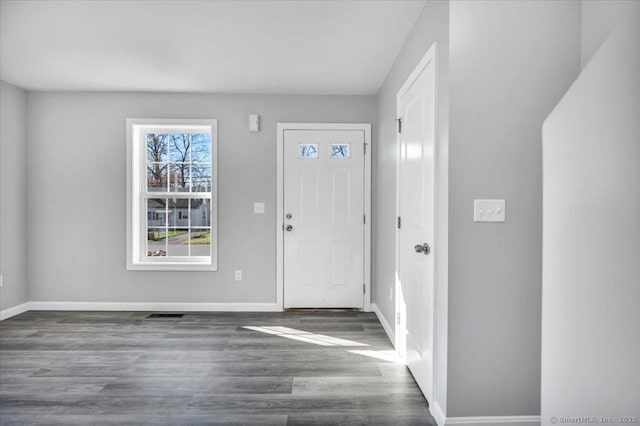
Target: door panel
[[416, 108], [324, 196]]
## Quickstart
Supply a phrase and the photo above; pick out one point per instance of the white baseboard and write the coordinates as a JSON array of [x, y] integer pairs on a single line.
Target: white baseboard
[[161, 306], [437, 413], [13, 311], [391, 333], [494, 420]]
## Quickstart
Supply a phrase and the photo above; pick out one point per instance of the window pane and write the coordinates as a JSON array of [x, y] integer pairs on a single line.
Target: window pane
[[201, 177], [180, 148], [178, 212], [180, 178], [200, 212], [178, 242], [340, 150], [156, 242], [156, 212], [157, 145], [200, 242], [157, 177], [308, 150], [201, 148]]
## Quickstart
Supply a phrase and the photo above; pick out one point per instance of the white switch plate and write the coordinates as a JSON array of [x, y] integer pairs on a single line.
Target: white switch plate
[[238, 275], [254, 123], [258, 208], [489, 210], [1, 280]]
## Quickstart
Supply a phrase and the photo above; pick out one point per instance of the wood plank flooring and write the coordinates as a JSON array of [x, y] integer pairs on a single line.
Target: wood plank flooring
[[80, 368]]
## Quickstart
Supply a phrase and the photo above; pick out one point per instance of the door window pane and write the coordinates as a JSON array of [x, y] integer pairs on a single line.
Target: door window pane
[[308, 150], [340, 150]]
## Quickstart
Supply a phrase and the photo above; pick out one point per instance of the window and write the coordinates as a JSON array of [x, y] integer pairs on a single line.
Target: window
[[340, 150], [172, 189], [308, 150]]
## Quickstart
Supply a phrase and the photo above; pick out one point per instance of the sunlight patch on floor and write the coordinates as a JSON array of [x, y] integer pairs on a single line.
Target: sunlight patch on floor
[[304, 336]]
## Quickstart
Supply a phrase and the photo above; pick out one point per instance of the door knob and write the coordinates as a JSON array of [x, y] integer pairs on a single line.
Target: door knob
[[423, 248], [289, 228]]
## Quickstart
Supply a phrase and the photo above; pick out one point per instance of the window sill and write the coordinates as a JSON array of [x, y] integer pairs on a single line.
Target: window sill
[[169, 266]]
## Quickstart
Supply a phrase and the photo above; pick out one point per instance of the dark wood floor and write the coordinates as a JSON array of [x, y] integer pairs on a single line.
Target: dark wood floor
[[205, 368]]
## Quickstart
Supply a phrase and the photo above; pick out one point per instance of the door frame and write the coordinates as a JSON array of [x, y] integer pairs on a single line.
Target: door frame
[[429, 57], [366, 129]]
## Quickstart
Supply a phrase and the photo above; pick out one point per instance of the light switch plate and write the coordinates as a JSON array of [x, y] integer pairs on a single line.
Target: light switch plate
[[254, 123], [238, 275], [489, 210], [258, 208]]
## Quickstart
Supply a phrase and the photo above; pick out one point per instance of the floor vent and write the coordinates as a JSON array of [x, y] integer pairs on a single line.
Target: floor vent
[[166, 315]]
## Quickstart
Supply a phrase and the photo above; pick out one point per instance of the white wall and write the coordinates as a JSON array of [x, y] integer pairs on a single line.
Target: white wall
[[13, 195], [431, 26], [599, 18], [591, 278], [510, 62], [76, 203]]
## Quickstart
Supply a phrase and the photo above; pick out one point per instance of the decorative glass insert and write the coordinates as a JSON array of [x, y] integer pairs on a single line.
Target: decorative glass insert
[[340, 150], [308, 150]]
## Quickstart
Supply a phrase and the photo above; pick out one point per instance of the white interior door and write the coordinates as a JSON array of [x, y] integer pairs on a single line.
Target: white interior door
[[323, 218], [415, 295]]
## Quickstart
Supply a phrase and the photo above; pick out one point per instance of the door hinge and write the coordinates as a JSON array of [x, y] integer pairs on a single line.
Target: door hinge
[[364, 288], [365, 148], [398, 318], [364, 219], [399, 222], [399, 121]]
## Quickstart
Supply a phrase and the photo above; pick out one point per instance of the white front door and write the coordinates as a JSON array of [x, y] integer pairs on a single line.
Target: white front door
[[323, 218], [415, 298]]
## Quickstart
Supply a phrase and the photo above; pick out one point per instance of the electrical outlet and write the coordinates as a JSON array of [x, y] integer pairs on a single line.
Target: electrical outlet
[[238, 275], [1, 280]]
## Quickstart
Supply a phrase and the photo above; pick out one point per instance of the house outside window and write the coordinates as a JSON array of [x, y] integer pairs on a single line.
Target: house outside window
[[172, 194]]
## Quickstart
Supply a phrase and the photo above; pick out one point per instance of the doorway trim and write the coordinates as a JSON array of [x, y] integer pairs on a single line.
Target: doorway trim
[[281, 127]]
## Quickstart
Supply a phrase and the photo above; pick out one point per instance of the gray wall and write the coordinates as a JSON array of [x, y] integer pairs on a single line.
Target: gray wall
[[599, 18], [591, 273], [431, 26], [510, 62], [13, 195], [76, 203]]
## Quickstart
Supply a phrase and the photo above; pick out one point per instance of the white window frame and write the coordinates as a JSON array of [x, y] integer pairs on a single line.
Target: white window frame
[[137, 260]]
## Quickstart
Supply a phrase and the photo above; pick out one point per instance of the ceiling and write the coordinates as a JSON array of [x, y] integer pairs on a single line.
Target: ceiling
[[286, 47]]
